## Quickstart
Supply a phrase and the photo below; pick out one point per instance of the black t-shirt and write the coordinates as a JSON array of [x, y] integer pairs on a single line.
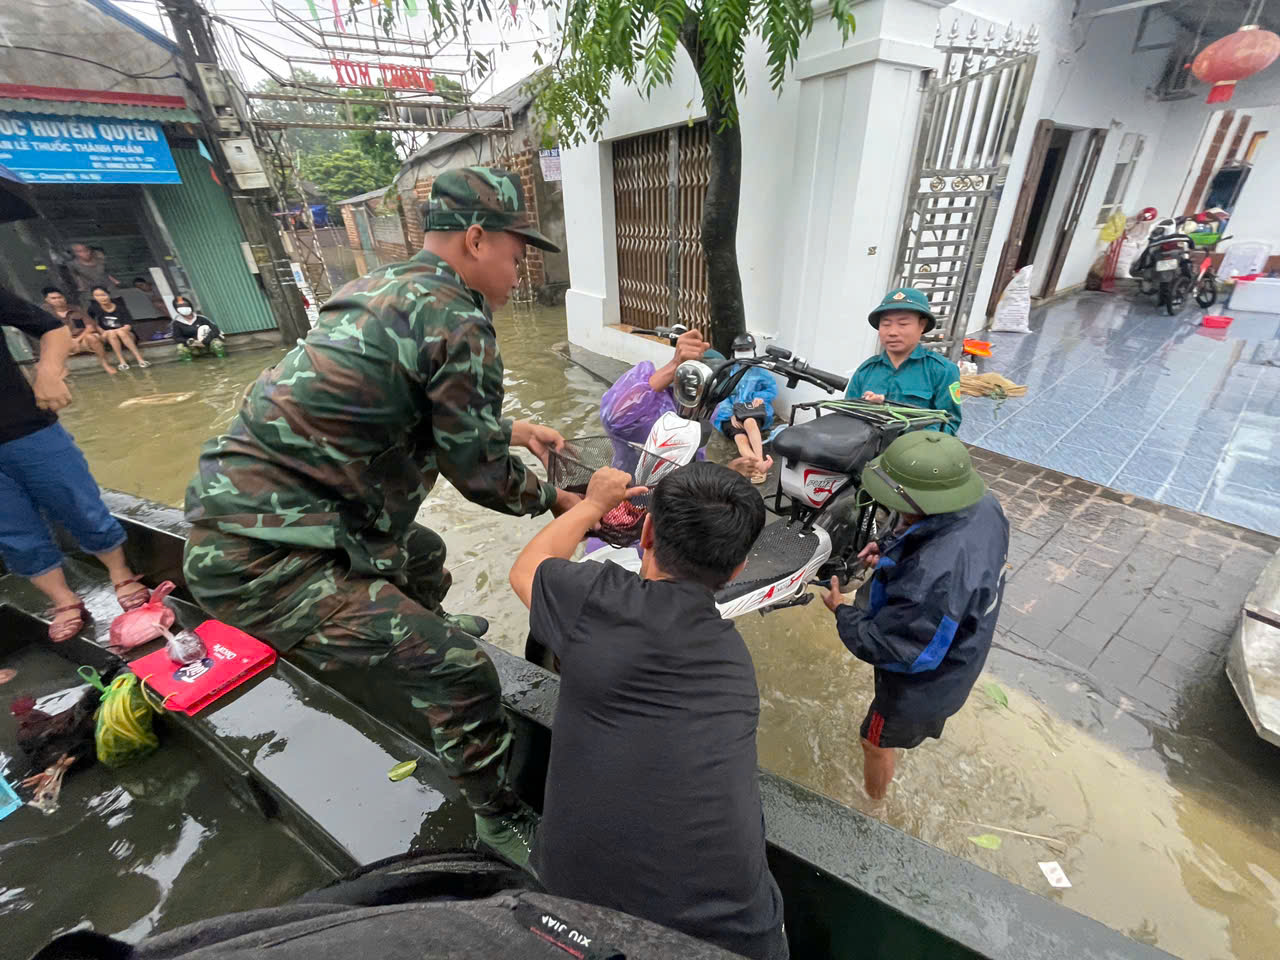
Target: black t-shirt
[[112, 319], [19, 414], [653, 799]]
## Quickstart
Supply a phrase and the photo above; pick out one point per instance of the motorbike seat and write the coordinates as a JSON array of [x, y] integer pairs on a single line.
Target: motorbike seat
[[781, 549], [831, 442]]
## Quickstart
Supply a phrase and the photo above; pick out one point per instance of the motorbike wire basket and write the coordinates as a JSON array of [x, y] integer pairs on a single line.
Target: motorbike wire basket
[[570, 469]]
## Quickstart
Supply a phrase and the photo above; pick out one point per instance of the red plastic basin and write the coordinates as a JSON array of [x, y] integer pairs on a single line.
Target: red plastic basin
[[1216, 322]]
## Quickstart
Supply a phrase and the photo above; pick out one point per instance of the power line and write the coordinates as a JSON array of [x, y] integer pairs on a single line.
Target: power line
[[97, 63]]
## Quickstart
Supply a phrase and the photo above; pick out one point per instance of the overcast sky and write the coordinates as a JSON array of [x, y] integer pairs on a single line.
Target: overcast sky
[[255, 17]]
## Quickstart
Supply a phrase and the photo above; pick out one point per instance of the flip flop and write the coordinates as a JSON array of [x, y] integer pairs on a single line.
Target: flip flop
[[135, 598], [66, 629]]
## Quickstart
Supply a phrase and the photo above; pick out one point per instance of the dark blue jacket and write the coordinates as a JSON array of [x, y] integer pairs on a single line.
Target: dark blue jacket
[[934, 601]]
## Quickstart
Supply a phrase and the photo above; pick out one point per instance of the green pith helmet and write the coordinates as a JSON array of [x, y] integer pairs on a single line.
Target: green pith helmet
[[487, 196], [904, 298], [924, 472]]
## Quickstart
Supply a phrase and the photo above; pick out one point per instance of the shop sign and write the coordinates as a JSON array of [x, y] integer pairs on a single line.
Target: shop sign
[[354, 73], [54, 149]]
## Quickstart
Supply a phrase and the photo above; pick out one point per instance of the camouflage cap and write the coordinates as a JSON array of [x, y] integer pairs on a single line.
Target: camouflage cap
[[486, 196]]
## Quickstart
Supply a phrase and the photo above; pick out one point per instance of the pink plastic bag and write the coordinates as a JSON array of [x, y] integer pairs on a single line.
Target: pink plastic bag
[[147, 622]]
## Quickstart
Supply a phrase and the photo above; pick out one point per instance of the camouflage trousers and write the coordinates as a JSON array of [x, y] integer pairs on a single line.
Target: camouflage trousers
[[383, 643]]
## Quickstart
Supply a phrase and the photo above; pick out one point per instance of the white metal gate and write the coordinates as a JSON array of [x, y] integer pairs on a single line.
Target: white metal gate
[[969, 120]]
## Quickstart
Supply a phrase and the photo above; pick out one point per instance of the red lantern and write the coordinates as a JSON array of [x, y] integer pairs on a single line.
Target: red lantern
[[1233, 58]]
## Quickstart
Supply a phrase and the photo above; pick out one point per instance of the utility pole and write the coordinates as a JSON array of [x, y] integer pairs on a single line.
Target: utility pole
[[252, 208]]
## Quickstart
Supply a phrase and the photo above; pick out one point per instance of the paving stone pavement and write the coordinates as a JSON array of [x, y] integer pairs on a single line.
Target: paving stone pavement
[[1142, 595]]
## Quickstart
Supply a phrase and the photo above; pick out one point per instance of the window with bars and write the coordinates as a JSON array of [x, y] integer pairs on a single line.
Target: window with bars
[[1126, 161]]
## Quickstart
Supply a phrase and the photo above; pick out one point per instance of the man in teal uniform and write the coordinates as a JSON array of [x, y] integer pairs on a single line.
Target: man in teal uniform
[[905, 371], [302, 513]]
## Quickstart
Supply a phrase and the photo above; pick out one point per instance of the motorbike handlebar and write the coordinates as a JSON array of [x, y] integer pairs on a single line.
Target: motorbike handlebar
[[832, 380]]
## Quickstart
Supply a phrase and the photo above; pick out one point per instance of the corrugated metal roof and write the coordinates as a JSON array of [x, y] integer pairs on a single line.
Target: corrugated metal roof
[[371, 195], [514, 98], [113, 110]]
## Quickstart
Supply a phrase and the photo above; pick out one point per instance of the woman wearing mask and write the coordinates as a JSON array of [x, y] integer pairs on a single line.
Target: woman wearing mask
[[195, 334], [116, 324]]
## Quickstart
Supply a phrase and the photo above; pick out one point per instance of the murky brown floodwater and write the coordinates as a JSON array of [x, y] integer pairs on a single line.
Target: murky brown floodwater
[[1163, 835]]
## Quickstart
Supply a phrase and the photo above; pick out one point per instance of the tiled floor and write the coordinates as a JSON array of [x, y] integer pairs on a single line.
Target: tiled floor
[[1144, 403]]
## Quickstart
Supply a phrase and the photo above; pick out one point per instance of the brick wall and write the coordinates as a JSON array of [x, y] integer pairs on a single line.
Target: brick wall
[[349, 221], [524, 164]]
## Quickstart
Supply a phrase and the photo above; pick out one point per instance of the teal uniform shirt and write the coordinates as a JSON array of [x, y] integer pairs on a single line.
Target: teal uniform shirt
[[925, 379]]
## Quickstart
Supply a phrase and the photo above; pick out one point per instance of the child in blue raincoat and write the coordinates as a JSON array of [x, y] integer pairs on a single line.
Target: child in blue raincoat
[[744, 416]]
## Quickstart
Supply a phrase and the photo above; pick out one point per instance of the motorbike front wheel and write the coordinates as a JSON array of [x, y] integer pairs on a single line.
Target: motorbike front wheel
[[1206, 292]]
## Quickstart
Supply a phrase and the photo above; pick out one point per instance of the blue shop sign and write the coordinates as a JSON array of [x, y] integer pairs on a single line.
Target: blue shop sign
[[53, 149]]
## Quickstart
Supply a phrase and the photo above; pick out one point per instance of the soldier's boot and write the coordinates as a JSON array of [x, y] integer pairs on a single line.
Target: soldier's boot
[[509, 834], [468, 623], [219, 348], [184, 353]]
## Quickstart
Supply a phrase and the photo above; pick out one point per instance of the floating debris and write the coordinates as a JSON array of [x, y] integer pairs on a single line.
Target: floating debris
[[402, 770], [157, 399], [988, 841], [1054, 873]]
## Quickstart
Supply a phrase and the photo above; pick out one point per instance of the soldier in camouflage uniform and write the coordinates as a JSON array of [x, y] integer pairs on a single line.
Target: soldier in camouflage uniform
[[302, 514]]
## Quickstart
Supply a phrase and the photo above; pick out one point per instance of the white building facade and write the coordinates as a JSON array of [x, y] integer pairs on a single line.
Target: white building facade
[[827, 161]]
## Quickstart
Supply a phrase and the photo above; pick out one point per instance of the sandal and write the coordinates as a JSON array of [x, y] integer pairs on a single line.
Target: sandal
[[122, 365], [134, 598], [144, 363], [61, 630]]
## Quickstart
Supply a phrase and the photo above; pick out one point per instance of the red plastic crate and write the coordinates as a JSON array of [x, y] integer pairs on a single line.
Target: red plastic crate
[[1217, 322]]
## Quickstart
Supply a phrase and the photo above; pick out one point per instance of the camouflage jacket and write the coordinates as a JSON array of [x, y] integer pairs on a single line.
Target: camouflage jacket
[[337, 446]]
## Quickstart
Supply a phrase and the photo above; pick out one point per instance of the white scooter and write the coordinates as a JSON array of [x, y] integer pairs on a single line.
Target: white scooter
[[822, 523]]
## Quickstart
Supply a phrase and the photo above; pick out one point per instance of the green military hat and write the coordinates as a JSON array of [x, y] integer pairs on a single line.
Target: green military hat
[[924, 472], [904, 298], [486, 196]]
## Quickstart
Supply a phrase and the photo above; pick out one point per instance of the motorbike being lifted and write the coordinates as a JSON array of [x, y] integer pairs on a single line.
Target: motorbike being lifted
[[823, 523]]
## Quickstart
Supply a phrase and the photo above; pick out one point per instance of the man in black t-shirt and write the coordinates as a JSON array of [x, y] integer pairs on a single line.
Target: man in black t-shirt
[[653, 800]]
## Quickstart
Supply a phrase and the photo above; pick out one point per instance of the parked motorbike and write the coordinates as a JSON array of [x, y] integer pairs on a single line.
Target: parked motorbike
[[1168, 269]]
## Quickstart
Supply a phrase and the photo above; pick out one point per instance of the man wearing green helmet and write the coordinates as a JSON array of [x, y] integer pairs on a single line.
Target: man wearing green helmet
[[904, 371], [933, 600]]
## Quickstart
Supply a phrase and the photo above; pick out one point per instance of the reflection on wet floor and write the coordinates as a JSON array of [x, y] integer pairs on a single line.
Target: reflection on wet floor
[[1169, 828], [1160, 406]]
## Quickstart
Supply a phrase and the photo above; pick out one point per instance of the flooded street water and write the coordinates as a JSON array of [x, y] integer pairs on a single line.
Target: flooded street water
[[1169, 831]]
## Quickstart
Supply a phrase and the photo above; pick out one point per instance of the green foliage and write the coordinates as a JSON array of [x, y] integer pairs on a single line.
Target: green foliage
[[636, 41], [303, 141], [345, 173]]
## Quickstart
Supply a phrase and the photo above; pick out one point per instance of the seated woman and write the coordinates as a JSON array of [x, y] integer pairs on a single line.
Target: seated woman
[[85, 335], [743, 416], [112, 316], [638, 398], [194, 333]]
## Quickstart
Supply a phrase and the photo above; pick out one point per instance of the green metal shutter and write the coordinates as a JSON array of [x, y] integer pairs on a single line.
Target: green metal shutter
[[207, 236]]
